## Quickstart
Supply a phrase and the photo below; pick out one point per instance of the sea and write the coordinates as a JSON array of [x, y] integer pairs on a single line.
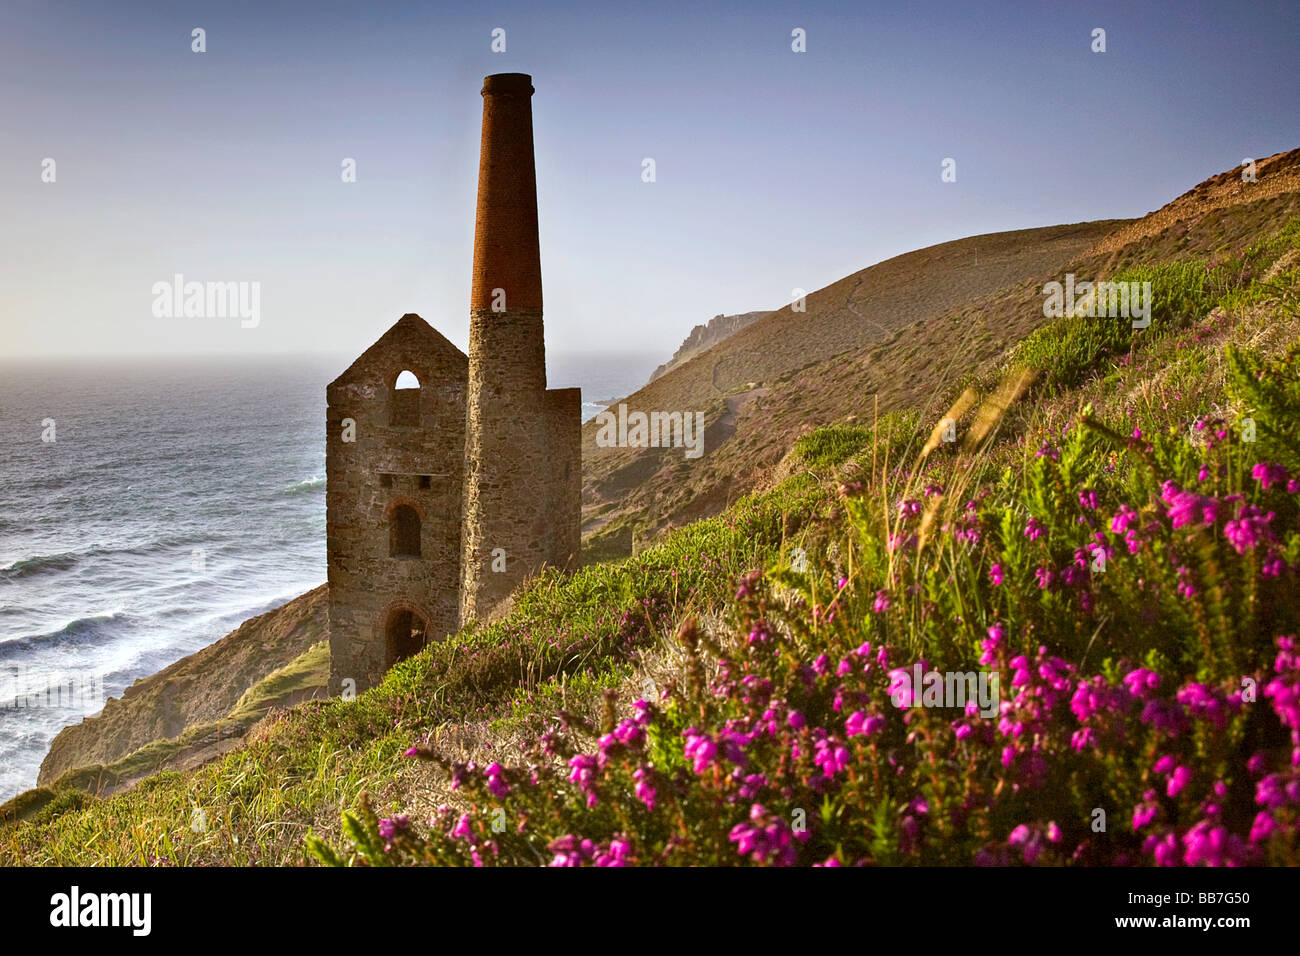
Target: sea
[[149, 506]]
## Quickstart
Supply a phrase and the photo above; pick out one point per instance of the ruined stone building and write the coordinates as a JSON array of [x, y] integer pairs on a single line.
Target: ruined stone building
[[442, 497]]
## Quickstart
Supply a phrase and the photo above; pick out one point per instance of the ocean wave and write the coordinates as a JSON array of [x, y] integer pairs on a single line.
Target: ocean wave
[[79, 631], [66, 560], [308, 484], [38, 564]]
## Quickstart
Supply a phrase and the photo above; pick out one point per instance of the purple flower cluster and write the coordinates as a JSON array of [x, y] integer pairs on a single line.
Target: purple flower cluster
[[571, 850], [765, 838]]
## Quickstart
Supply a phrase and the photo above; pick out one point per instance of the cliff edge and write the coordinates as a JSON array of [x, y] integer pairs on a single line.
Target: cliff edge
[[203, 688], [704, 337]]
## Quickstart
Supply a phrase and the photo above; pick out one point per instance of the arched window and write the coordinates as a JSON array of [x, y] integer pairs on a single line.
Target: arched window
[[405, 633], [405, 400], [404, 539]]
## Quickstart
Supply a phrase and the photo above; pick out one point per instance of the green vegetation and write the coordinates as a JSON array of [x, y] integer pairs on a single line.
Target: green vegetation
[[1117, 526]]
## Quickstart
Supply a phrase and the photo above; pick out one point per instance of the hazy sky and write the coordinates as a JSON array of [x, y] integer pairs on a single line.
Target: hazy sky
[[774, 169]]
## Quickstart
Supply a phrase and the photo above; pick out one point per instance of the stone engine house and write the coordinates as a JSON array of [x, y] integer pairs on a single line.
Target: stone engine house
[[447, 486]]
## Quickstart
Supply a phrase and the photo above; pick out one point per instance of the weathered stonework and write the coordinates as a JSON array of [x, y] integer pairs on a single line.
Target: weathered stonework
[[420, 539]]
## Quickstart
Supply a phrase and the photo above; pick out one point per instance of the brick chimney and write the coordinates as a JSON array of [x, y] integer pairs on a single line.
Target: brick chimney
[[506, 254], [510, 465]]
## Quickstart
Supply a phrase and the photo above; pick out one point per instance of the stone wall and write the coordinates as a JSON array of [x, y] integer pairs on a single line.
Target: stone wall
[[507, 458], [564, 450], [388, 465]]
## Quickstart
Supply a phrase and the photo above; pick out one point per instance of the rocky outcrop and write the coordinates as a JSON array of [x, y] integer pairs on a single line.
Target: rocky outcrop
[[704, 337], [206, 687]]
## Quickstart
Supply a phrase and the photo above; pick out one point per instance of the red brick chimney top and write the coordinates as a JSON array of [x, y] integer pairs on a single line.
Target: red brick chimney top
[[506, 254], [519, 84]]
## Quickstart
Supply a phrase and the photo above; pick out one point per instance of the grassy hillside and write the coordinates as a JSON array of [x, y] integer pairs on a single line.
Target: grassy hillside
[[751, 376], [907, 333], [1116, 531]]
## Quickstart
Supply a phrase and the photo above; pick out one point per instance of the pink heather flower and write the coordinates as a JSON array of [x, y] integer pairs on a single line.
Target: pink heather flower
[[1142, 682], [831, 756], [1203, 474], [645, 791], [860, 723], [1164, 849], [583, 773], [1187, 507], [569, 852], [1027, 841], [1276, 791], [765, 839], [1088, 500], [1212, 845], [990, 647], [1203, 703], [1145, 811], [461, 830], [1248, 529], [995, 575], [1285, 695], [495, 782], [900, 687], [1123, 518], [902, 542], [1269, 475], [700, 748], [1045, 577], [617, 855], [1034, 529], [753, 783], [1263, 827], [391, 827], [882, 602], [1178, 780], [795, 720]]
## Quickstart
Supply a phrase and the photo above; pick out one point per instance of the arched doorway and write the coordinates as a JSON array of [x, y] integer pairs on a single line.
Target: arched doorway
[[406, 630]]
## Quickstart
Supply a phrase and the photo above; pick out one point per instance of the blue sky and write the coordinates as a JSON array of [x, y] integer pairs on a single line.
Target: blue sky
[[775, 169]]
